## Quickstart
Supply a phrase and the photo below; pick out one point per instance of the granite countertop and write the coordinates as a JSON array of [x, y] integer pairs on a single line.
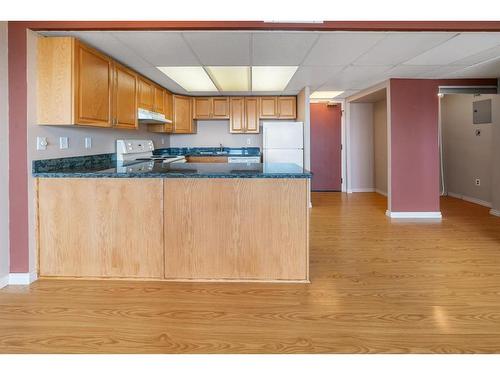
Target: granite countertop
[[209, 151], [103, 166]]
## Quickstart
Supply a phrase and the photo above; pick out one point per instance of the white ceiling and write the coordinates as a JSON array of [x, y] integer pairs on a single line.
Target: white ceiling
[[348, 61]]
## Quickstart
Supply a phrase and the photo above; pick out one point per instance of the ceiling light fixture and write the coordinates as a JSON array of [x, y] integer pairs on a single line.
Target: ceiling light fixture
[[190, 78], [325, 94], [230, 78], [271, 78]]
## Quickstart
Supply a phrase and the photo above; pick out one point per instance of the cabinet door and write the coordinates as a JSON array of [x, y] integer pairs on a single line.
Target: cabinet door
[[168, 105], [146, 94], [202, 108], [183, 119], [287, 107], [124, 98], [93, 87], [237, 118], [268, 107], [159, 103], [252, 115], [220, 108]]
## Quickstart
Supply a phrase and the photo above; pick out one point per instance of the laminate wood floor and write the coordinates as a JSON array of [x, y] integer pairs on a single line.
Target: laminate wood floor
[[376, 286]]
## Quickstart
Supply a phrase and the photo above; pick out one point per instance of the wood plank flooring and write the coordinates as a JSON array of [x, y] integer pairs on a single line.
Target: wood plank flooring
[[376, 287]]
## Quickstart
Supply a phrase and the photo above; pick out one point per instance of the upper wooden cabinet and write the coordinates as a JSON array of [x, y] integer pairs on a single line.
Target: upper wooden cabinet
[[206, 108], [124, 97], [287, 107], [244, 115], [146, 94], [237, 115], [252, 115], [168, 105], [278, 107], [159, 101], [182, 115]]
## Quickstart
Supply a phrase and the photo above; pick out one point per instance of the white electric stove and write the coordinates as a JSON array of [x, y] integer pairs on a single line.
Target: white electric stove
[[142, 150]]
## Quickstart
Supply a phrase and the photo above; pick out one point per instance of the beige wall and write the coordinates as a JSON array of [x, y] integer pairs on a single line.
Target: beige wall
[[465, 155], [4, 158], [380, 145], [214, 132], [103, 140], [361, 147]]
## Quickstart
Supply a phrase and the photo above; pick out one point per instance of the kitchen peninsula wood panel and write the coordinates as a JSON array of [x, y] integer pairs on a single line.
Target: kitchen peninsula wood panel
[[100, 227], [236, 229]]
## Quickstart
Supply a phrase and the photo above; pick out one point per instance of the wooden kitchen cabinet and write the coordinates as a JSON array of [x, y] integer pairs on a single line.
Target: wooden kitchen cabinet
[[168, 105], [287, 107], [237, 115], [124, 98], [74, 84], [206, 108], [159, 99], [113, 229], [252, 115], [167, 127], [182, 116], [268, 107], [146, 94], [202, 108]]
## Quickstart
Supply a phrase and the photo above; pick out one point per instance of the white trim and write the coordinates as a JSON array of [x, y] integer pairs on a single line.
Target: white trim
[[389, 146], [381, 192], [363, 190], [495, 212], [343, 140], [414, 215], [4, 281], [470, 199], [22, 278], [347, 148]]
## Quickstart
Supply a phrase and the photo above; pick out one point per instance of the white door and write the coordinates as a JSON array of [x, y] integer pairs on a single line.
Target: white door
[[283, 135], [295, 156]]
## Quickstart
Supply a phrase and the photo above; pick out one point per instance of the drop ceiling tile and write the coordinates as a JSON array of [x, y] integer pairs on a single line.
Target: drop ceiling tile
[[341, 48], [489, 69], [356, 77], [312, 76], [489, 54], [396, 48], [220, 48], [457, 48], [280, 48], [159, 48], [410, 71]]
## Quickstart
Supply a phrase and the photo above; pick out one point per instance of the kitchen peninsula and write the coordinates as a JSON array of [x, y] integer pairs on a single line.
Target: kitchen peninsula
[[152, 220]]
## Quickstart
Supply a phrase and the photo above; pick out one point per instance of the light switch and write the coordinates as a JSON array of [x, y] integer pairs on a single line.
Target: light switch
[[63, 142], [88, 142], [41, 143], [249, 141]]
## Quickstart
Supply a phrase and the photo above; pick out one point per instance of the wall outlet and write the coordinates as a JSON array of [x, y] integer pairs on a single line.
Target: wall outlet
[[41, 143], [88, 142], [162, 140], [63, 142], [249, 141], [478, 182]]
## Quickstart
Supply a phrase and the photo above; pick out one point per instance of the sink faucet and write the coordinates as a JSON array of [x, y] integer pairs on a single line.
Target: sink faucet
[[220, 147]]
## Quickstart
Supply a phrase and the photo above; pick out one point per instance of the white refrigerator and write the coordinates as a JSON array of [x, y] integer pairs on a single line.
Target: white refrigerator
[[283, 142]]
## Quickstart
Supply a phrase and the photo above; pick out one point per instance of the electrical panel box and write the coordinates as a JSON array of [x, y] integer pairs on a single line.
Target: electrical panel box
[[481, 112]]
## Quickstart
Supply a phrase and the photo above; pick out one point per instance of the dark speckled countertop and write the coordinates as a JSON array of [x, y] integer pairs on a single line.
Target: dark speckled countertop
[[104, 166]]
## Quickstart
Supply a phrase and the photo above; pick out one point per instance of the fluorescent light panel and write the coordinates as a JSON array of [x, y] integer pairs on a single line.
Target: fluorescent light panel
[[271, 78], [191, 78], [230, 78], [325, 94]]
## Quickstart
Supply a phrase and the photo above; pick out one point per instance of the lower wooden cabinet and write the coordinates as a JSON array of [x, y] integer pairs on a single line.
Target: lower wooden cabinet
[[206, 159], [100, 227]]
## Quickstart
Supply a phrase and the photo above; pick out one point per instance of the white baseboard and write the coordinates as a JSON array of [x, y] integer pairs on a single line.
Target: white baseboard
[[495, 212], [4, 281], [384, 193], [414, 215], [362, 190], [470, 199], [22, 278]]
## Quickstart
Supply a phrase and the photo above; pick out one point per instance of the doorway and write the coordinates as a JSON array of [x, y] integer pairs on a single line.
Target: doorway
[[326, 146]]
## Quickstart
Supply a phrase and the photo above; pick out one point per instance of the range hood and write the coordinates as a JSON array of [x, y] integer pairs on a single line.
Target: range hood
[[149, 117]]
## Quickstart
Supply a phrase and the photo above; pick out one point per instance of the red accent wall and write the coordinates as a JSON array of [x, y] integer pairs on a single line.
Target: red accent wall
[[18, 168], [414, 142], [325, 147]]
